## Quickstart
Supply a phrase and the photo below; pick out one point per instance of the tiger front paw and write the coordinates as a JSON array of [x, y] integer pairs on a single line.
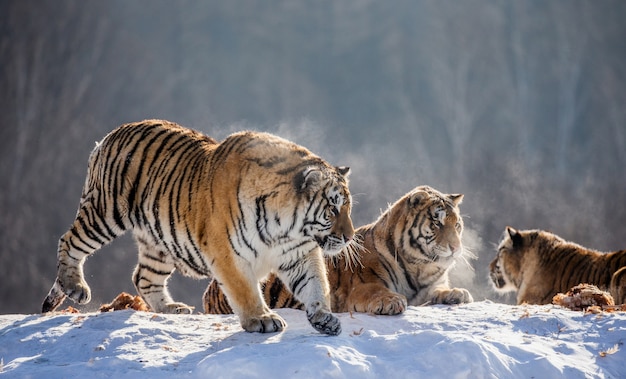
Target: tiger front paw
[[325, 322], [388, 304], [267, 323], [452, 296], [178, 309]]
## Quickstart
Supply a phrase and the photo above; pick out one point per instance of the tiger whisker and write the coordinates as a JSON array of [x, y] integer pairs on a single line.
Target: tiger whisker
[[467, 263], [352, 253], [467, 253]]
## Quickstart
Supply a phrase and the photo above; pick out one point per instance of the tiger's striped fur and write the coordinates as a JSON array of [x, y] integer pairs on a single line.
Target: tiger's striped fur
[[538, 265], [273, 289], [235, 210], [407, 254]]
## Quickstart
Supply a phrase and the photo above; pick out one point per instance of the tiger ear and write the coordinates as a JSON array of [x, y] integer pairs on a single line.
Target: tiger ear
[[417, 197], [308, 178], [514, 235], [343, 171], [456, 198]]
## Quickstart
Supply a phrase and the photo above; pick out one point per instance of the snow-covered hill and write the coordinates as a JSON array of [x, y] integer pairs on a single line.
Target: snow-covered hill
[[479, 340]]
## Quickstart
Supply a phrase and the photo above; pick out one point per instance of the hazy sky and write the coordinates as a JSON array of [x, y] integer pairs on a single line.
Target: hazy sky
[[518, 105]]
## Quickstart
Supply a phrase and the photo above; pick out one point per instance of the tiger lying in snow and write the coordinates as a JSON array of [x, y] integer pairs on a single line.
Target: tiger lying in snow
[[538, 265]]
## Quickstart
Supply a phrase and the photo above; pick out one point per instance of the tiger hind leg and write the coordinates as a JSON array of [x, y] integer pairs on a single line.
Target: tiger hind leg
[[54, 298], [88, 233], [214, 300], [618, 286], [150, 276], [275, 293]]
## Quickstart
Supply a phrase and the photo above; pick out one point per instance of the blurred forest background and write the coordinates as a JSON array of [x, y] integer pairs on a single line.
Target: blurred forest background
[[520, 105]]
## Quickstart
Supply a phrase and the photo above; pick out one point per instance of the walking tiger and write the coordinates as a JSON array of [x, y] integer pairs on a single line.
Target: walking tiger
[[235, 210]]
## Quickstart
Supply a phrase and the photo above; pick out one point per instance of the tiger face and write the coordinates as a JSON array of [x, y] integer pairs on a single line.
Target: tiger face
[[329, 223], [435, 233], [517, 253], [504, 269]]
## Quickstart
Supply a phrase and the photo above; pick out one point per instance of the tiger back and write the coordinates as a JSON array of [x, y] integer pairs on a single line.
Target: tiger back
[[538, 265], [405, 258], [236, 210]]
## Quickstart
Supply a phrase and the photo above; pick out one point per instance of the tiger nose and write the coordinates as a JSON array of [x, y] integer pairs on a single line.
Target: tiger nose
[[454, 247]]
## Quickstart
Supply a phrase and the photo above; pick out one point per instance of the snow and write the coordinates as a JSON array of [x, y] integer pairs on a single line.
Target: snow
[[477, 340]]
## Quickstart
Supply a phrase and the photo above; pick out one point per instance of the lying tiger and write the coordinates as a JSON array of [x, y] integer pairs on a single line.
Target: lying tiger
[[406, 256], [538, 265], [235, 210]]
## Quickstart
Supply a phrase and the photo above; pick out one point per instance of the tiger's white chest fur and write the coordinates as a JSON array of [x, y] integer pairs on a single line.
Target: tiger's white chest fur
[[271, 239]]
